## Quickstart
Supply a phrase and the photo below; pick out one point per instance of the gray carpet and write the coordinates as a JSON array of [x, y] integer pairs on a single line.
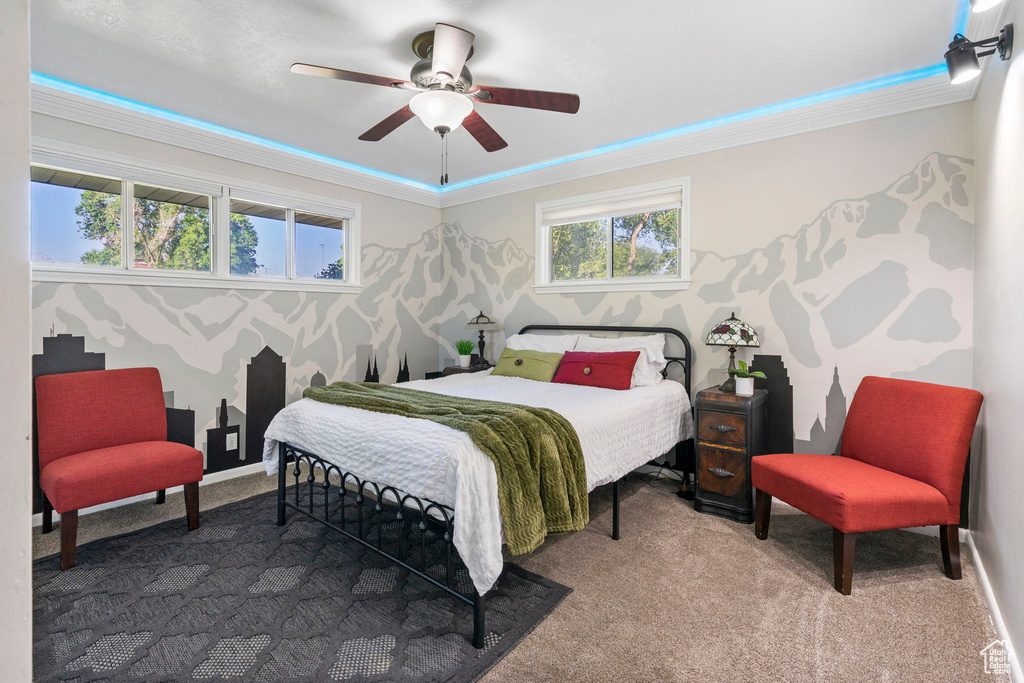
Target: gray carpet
[[245, 599], [691, 597]]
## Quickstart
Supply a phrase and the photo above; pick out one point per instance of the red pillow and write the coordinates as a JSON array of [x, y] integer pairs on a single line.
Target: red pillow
[[607, 370]]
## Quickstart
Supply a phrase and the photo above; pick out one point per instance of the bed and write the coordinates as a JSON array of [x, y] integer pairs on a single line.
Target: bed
[[394, 484]]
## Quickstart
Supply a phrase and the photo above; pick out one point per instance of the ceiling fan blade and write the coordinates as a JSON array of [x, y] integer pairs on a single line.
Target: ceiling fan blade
[[567, 103], [451, 49], [354, 76], [484, 134], [388, 125]]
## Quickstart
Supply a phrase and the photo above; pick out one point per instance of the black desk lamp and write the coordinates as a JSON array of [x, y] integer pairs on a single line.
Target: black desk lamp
[[483, 324]]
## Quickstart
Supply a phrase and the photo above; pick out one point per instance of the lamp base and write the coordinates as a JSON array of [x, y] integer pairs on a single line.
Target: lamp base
[[481, 361], [729, 385]]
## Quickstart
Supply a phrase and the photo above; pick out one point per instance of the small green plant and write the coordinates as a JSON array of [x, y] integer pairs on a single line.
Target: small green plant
[[465, 346], [744, 371]]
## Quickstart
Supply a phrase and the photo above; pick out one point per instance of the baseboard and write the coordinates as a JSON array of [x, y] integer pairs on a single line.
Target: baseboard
[[213, 478], [1016, 672]]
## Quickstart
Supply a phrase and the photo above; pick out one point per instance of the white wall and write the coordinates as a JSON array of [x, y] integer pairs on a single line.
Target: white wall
[[15, 397], [998, 525]]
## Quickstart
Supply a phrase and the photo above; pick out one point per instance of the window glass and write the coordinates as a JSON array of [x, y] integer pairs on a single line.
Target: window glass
[[172, 229], [646, 244], [579, 251], [76, 218], [319, 246], [257, 239]]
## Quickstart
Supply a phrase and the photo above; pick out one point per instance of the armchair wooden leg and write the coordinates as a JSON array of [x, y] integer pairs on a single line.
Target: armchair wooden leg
[[949, 539], [762, 514], [842, 550], [161, 496], [192, 505], [47, 515], [68, 538]]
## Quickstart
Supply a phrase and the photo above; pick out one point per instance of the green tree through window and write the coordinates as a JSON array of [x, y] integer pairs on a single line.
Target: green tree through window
[[579, 251], [643, 244], [167, 235], [333, 271], [646, 244]]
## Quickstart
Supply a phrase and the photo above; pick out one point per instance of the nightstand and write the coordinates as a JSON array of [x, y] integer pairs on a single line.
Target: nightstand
[[455, 369], [730, 431]]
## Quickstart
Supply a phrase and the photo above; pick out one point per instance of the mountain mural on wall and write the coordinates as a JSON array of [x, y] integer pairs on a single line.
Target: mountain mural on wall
[[880, 284]]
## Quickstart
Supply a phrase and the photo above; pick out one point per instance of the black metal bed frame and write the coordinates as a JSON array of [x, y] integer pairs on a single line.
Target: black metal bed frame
[[364, 504]]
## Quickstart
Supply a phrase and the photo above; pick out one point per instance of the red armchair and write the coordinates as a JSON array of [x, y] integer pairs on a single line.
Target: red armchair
[[102, 437], [904, 447]]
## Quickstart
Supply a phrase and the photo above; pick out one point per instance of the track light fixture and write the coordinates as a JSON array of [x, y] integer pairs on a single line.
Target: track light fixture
[[962, 55]]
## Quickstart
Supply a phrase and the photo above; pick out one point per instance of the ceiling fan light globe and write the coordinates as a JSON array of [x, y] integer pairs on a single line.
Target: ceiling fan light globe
[[441, 109]]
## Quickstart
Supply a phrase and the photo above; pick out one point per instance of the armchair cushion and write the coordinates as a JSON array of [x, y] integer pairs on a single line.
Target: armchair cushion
[[848, 494], [100, 476], [915, 429], [85, 411]]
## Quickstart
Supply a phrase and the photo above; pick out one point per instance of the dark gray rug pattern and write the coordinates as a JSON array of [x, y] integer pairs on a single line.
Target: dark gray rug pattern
[[244, 599]]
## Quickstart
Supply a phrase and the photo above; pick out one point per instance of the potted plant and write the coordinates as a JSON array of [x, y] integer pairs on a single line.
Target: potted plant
[[465, 349], [745, 379]]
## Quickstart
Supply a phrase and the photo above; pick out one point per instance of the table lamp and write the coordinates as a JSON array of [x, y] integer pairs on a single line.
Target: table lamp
[[732, 332], [483, 324]]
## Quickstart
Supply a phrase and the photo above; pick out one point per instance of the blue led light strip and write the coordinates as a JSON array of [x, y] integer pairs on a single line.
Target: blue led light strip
[[963, 13], [168, 115]]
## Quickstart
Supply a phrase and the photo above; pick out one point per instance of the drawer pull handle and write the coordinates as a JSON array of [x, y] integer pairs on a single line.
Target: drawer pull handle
[[719, 472], [723, 428]]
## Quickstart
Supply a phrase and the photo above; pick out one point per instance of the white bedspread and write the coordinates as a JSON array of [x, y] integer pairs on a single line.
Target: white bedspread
[[618, 430]]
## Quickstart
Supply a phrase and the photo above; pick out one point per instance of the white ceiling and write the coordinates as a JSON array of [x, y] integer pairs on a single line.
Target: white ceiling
[[639, 66]]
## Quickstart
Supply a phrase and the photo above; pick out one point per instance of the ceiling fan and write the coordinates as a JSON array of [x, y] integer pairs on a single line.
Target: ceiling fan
[[446, 90]]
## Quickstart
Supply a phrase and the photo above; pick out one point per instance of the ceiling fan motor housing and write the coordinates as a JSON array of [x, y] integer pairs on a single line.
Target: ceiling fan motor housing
[[422, 74]]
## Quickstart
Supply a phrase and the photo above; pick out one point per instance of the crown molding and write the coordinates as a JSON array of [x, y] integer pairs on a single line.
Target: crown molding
[[933, 91], [81, 109]]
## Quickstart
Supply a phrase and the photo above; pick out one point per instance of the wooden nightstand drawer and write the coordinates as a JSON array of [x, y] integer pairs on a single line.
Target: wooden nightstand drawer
[[721, 471], [729, 429]]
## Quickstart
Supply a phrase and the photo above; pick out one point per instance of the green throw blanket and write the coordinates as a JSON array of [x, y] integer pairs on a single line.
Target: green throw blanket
[[542, 480]]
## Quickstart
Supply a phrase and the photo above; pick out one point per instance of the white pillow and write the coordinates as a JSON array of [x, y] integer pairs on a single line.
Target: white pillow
[[546, 343], [649, 364]]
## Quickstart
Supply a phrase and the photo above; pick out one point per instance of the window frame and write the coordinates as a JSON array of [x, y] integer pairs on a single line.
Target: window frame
[[221, 190], [589, 207]]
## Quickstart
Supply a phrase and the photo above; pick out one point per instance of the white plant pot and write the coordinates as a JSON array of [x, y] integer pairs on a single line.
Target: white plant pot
[[464, 360], [745, 386]]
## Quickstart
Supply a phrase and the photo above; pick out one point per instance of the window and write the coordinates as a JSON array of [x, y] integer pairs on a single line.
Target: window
[[258, 239], [76, 218], [168, 230], [172, 229], [632, 239], [319, 247]]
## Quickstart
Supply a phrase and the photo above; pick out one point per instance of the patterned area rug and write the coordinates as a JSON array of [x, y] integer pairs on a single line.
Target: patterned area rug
[[245, 599]]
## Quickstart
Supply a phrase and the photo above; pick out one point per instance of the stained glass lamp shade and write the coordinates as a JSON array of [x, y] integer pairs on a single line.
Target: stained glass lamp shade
[[732, 332]]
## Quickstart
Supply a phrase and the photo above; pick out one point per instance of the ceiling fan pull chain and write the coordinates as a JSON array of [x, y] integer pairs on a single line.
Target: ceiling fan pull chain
[[445, 138], [442, 160]]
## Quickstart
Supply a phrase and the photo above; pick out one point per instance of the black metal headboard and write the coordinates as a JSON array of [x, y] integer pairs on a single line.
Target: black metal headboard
[[684, 361]]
